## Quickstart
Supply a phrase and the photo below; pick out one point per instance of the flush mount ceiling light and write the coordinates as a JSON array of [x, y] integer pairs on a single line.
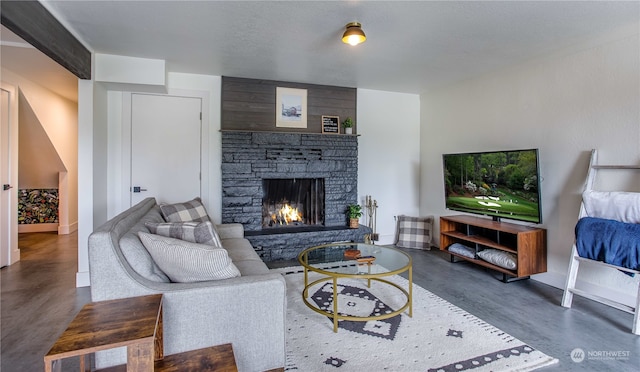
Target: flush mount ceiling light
[[353, 34]]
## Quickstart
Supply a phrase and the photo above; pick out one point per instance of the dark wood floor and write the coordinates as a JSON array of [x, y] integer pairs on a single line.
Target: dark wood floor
[[39, 298]]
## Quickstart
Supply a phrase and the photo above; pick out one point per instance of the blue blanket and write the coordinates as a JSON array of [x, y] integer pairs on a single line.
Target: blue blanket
[[616, 243]]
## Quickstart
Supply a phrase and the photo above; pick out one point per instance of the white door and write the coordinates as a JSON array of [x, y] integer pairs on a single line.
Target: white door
[[165, 148], [5, 182]]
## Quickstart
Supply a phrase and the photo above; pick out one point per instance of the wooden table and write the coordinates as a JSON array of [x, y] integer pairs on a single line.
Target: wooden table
[[210, 359], [132, 322]]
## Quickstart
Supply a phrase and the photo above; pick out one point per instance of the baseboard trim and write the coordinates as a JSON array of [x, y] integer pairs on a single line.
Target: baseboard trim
[[15, 256], [37, 227], [386, 240], [67, 229], [83, 279]]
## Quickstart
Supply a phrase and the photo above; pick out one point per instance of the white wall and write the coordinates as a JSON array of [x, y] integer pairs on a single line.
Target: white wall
[[389, 156], [100, 154], [59, 118], [39, 162], [565, 105], [85, 177]]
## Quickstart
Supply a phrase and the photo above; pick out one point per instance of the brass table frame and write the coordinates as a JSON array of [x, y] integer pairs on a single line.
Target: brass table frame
[[303, 258]]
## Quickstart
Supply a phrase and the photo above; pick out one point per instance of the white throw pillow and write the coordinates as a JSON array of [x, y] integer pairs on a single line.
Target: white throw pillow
[[186, 262], [613, 205]]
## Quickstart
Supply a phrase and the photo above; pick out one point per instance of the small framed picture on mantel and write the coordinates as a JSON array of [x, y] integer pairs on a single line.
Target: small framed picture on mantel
[[330, 125], [291, 107]]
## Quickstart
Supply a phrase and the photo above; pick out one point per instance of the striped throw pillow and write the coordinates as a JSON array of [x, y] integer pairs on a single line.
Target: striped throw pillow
[[195, 232], [186, 262]]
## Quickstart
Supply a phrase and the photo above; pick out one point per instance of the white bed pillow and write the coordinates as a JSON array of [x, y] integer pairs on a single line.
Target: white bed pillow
[[612, 205]]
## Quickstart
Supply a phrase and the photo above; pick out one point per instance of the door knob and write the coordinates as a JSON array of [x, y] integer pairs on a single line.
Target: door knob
[[6, 187], [138, 189]]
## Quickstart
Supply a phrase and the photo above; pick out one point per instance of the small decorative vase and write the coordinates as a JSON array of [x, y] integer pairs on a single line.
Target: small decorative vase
[[353, 223], [348, 130]]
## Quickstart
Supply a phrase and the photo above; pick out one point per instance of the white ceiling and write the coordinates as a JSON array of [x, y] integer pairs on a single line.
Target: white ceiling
[[412, 46]]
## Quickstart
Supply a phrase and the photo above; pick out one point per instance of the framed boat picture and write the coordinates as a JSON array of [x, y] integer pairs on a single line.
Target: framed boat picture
[[291, 107]]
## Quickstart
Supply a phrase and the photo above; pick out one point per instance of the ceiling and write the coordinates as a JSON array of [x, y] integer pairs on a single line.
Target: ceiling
[[412, 46], [23, 59]]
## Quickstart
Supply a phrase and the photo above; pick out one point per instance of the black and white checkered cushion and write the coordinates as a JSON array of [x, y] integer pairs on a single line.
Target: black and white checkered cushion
[[414, 232], [195, 232], [191, 211]]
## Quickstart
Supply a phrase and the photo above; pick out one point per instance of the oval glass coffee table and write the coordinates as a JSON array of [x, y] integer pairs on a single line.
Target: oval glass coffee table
[[331, 261]]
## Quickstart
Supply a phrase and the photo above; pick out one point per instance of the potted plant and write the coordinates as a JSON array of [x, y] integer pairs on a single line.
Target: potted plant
[[347, 124], [354, 211]]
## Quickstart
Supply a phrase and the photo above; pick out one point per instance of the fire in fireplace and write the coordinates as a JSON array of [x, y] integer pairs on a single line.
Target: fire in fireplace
[[292, 202], [286, 215]]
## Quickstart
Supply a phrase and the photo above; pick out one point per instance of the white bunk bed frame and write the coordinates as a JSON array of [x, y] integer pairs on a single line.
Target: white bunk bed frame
[[572, 274]]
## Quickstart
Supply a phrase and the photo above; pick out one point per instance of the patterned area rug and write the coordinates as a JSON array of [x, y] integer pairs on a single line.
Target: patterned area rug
[[439, 336]]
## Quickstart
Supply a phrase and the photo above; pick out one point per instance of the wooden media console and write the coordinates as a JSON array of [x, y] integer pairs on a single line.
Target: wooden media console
[[527, 244]]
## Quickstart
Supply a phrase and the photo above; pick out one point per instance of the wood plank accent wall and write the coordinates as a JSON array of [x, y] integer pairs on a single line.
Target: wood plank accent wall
[[250, 105]]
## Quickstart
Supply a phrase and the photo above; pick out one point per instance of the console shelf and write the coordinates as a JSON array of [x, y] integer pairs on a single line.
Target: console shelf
[[528, 244]]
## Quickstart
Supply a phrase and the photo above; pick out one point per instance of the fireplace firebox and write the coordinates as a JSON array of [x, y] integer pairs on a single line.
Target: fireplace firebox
[[292, 202]]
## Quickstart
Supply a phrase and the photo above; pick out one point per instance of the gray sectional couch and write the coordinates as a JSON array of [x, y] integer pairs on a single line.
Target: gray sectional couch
[[247, 311]]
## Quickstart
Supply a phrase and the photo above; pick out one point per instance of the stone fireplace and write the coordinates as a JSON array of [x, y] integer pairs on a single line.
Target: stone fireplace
[[322, 168]]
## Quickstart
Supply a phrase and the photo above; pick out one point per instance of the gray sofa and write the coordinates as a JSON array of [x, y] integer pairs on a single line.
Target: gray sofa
[[247, 311]]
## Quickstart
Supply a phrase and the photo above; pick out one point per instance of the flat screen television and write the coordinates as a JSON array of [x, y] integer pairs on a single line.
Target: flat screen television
[[500, 184]]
